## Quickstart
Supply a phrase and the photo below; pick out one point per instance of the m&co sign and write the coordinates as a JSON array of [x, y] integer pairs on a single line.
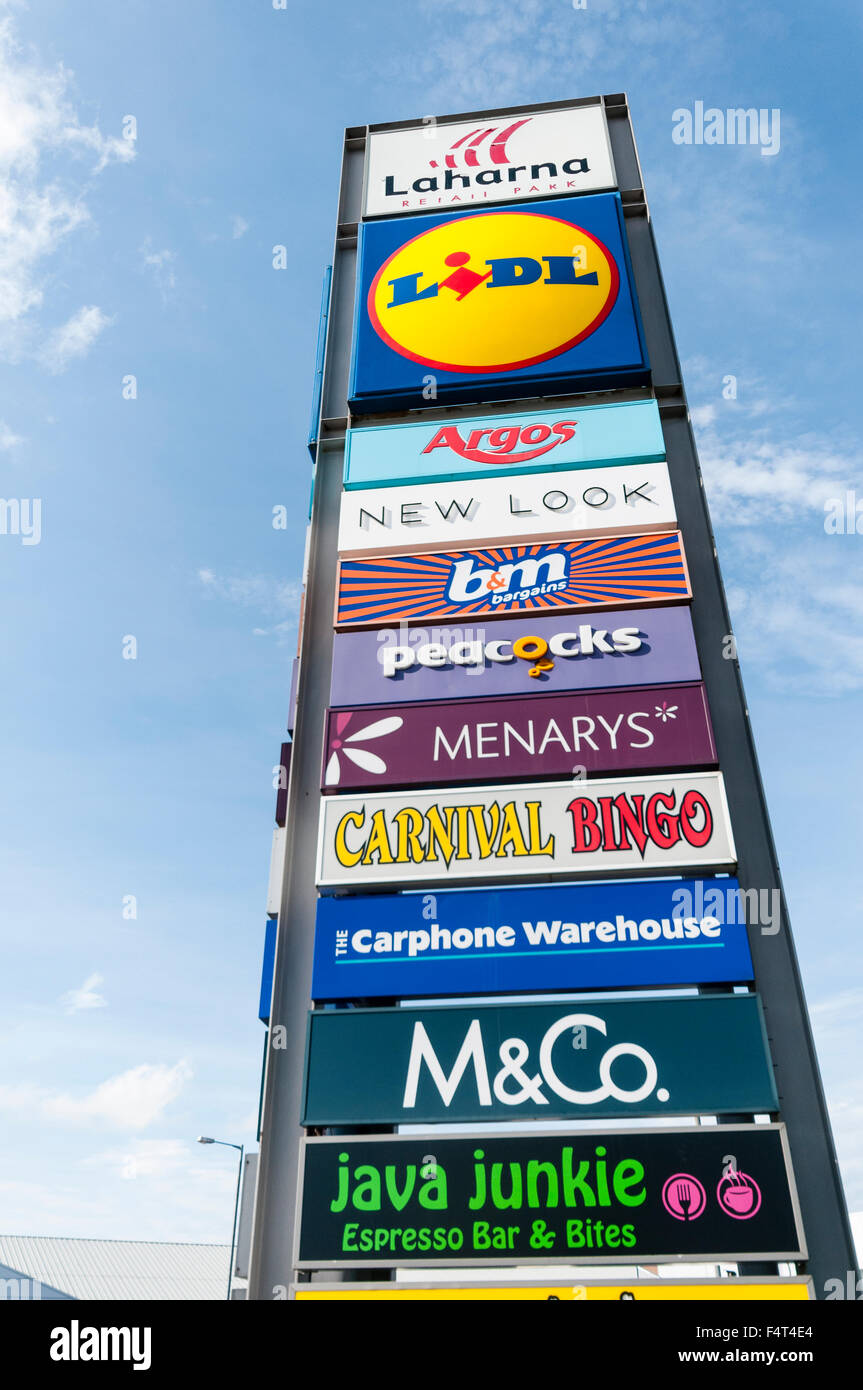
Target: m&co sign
[[566, 575], [487, 300], [499, 446], [548, 505], [537, 736], [538, 1061], [604, 827]]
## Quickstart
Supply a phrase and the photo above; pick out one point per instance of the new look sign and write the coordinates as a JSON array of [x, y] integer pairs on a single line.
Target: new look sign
[[623, 826], [500, 446], [547, 1061], [653, 933], [505, 158], [544, 505]]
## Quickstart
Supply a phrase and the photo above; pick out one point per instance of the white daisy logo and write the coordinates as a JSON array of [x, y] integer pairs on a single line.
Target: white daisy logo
[[665, 711], [369, 762]]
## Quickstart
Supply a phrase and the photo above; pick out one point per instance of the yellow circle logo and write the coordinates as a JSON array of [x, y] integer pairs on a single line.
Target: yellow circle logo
[[493, 292]]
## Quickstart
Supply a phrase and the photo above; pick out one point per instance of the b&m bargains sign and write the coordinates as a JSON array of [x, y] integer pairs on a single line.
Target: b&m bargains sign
[[543, 505], [500, 446], [514, 656], [720, 1193], [495, 305], [569, 575], [504, 159], [605, 827], [649, 933], [572, 1060], [536, 736]]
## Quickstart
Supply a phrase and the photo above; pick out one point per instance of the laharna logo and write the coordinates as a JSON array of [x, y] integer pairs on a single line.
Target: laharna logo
[[493, 291]]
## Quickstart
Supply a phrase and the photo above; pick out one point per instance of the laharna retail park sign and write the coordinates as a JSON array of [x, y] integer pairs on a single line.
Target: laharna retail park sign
[[512, 157]]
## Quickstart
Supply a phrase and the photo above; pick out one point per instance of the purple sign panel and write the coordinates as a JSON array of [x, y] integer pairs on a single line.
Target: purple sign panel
[[514, 656], [494, 740]]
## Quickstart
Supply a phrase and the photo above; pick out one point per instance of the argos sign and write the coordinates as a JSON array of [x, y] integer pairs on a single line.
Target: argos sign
[[568, 575], [470, 305], [499, 446], [505, 158]]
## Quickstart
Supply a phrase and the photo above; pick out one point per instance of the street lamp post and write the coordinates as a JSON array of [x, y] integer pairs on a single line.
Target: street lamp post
[[203, 1139]]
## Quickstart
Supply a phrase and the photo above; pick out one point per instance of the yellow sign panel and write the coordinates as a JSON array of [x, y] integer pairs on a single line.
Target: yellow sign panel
[[640, 1291]]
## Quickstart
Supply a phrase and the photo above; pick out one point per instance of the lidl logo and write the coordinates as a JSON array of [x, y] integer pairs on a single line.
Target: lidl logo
[[493, 292], [474, 303]]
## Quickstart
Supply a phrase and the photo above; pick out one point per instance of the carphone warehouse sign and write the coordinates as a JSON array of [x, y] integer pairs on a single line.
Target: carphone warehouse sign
[[645, 934]]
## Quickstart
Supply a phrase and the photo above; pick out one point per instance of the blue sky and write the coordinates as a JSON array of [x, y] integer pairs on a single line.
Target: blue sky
[[122, 1039]]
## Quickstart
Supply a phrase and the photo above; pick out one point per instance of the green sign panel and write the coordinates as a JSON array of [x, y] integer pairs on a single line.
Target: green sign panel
[[706, 1193], [705, 1055]]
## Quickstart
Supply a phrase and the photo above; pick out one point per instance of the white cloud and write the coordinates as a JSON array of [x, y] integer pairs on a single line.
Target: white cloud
[[239, 227], [87, 997], [38, 210], [8, 440], [161, 263], [756, 482], [257, 591], [132, 1100], [145, 1158], [74, 338]]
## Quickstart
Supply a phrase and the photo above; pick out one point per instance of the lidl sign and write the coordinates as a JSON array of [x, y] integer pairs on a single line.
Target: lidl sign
[[647, 1290], [603, 827], [550, 506], [500, 446], [649, 933], [445, 164], [723, 1192], [569, 1060], [496, 304], [627, 647], [568, 575]]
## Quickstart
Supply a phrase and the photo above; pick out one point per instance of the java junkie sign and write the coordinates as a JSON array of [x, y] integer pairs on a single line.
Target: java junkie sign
[[603, 827], [504, 158]]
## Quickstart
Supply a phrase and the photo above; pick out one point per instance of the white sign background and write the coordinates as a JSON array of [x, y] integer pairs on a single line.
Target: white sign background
[[546, 137], [554, 820], [425, 516]]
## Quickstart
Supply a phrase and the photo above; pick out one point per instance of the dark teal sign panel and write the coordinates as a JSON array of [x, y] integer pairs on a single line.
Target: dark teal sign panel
[[572, 1059]]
